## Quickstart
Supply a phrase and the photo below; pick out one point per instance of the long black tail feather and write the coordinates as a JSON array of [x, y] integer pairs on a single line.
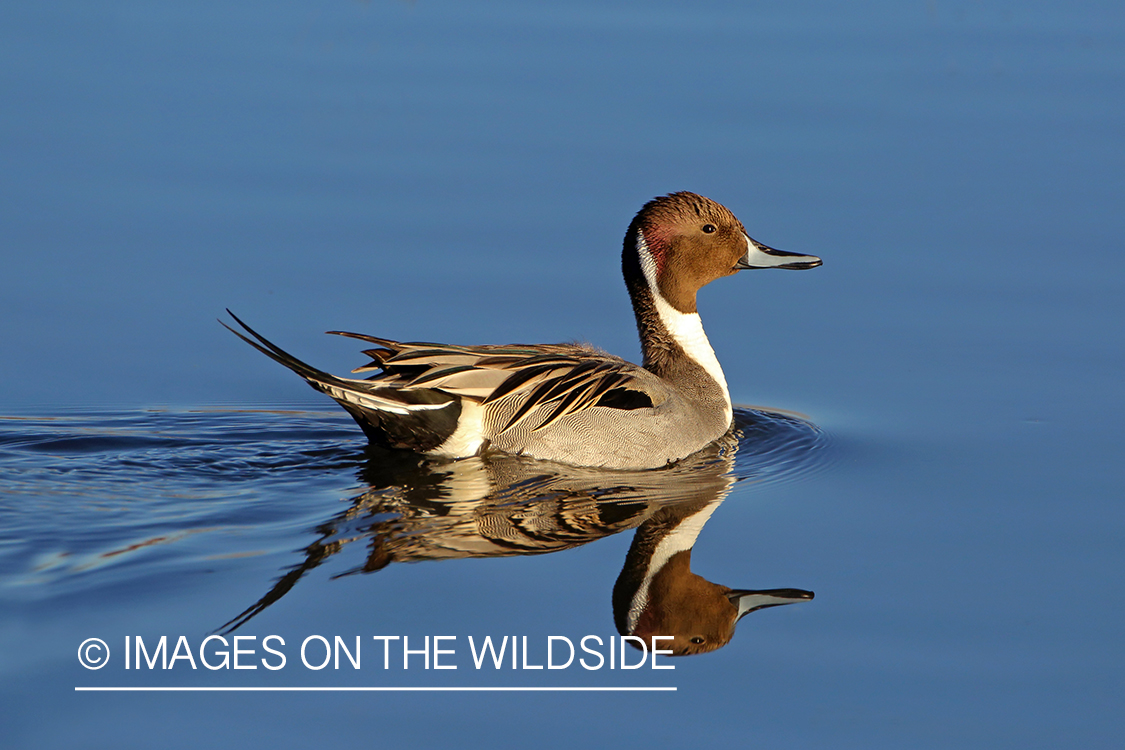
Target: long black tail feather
[[279, 355], [420, 430]]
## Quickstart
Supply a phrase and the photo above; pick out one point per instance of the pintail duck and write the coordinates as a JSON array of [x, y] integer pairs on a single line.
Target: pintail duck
[[570, 403]]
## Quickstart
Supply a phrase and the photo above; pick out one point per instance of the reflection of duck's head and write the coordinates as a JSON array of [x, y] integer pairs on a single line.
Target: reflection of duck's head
[[699, 615], [658, 595]]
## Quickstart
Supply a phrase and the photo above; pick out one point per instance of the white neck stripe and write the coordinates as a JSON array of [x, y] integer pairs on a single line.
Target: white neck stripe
[[685, 328]]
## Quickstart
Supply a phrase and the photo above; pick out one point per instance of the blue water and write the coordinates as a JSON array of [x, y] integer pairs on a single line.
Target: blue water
[[437, 171]]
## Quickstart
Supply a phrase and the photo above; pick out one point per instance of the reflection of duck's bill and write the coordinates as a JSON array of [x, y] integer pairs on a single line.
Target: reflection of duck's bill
[[749, 601]]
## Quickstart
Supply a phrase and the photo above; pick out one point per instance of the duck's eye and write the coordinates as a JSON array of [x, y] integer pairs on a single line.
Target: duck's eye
[[708, 228], [700, 639]]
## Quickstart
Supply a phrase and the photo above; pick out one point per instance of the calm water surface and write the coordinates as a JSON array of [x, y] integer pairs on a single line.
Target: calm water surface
[[200, 491], [951, 490]]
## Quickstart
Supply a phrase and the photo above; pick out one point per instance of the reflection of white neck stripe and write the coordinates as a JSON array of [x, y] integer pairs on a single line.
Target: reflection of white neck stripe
[[685, 328], [681, 538]]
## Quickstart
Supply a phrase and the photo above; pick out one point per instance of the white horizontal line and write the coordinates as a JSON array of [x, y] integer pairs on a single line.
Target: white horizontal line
[[383, 689]]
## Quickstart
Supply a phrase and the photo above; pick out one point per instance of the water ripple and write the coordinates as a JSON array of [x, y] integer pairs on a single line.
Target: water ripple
[[99, 497]]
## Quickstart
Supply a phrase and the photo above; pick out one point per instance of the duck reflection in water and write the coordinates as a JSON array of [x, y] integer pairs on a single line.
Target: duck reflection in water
[[424, 509]]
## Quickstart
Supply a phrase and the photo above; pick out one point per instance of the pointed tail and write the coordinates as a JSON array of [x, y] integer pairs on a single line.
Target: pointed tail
[[317, 378]]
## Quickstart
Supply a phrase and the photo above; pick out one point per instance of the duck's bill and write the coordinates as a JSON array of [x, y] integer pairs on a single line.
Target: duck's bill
[[763, 256], [751, 601]]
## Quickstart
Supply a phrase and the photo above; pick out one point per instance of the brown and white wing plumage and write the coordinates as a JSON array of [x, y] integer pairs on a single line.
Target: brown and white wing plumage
[[419, 392], [528, 387]]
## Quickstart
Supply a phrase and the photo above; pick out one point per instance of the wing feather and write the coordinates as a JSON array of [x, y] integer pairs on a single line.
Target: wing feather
[[545, 383]]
